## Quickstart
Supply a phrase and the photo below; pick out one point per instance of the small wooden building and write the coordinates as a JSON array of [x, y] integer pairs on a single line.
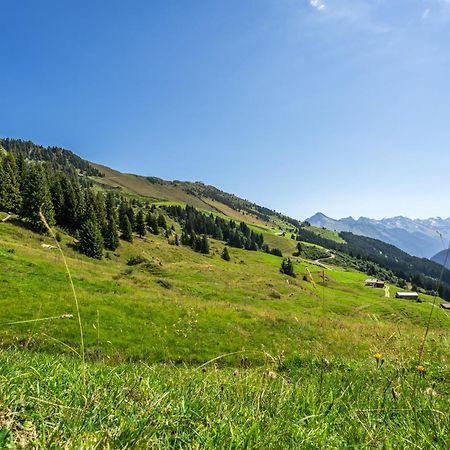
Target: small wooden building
[[407, 295], [375, 283], [445, 306]]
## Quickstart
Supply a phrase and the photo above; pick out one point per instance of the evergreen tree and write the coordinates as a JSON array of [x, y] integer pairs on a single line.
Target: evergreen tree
[[132, 217], [75, 204], [162, 221], [185, 239], [152, 223], [36, 198], [100, 211], [127, 231], [204, 246], [57, 194], [287, 267], [111, 236], [9, 184], [123, 209], [140, 224], [225, 254], [91, 239], [110, 206]]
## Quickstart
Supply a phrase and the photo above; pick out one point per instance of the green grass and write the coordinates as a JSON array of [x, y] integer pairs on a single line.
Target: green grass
[[211, 306], [327, 234], [150, 328], [302, 403]]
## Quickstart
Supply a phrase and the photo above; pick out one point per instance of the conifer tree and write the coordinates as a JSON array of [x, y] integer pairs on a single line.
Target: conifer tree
[[140, 224], [123, 214], [57, 194], [204, 246], [111, 236], [152, 223], [100, 211], [225, 254], [73, 208], [162, 221], [110, 205], [36, 197], [127, 231], [131, 217], [287, 267], [91, 239], [9, 184]]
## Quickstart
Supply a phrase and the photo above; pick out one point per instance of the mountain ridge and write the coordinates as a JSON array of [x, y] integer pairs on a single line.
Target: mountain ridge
[[418, 237]]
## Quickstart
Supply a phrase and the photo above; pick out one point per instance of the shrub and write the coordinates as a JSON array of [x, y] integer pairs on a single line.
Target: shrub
[[287, 267]]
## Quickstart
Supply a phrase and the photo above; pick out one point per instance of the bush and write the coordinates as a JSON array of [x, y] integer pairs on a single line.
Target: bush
[[136, 260], [287, 267]]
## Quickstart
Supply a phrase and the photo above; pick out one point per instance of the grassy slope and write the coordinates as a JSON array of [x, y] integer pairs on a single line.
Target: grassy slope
[[326, 234], [167, 191], [213, 307]]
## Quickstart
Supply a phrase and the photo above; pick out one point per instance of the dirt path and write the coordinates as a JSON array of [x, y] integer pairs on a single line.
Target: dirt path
[[319, 261]]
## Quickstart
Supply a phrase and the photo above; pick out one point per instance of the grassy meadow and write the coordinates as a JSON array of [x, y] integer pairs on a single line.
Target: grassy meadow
[[186, 350]]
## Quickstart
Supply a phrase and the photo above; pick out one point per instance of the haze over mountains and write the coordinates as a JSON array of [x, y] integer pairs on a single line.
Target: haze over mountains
[[419, 237]]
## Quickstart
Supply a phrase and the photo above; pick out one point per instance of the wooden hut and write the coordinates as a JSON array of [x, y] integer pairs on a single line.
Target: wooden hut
[[407, 295]]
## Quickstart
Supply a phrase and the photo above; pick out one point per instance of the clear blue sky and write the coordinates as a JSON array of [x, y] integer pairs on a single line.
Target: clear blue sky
[[341, 106]]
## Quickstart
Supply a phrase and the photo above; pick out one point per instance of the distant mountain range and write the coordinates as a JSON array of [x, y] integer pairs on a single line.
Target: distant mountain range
[[442, 258], [417, 237]]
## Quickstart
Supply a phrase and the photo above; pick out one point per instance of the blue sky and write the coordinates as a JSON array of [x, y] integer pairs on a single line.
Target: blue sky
[[341, 106]]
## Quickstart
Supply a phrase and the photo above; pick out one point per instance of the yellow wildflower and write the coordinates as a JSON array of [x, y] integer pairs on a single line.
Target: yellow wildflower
[[420, 369]]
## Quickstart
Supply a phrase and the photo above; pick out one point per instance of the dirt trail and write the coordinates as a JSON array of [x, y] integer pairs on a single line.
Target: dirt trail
[[319, 261]]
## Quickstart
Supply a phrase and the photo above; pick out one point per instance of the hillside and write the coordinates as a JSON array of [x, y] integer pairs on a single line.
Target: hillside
[[178, 345], [442, 258], [420, 238], [197, 194]]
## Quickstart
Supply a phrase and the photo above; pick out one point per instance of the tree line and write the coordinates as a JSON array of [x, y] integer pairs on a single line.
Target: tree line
[[421, 272], [194, 222], [97, 221]]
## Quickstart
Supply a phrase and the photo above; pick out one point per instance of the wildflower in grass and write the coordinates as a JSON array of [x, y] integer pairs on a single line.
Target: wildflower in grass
[[421, 370], [378, 358]]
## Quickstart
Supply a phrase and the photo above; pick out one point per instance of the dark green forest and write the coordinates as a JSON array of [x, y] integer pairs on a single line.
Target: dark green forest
[[421, 272]]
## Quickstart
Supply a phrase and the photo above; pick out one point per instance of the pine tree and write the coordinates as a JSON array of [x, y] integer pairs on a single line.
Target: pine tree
[[225, 255], [152, 223], [9, 184], [110, 205], [162, 222], [127, 231], [91, 239], [36, 198], [140, 224], [111, 236], [287, 267], [131, 217], [123, 209], [57, 194], [204, 246]]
